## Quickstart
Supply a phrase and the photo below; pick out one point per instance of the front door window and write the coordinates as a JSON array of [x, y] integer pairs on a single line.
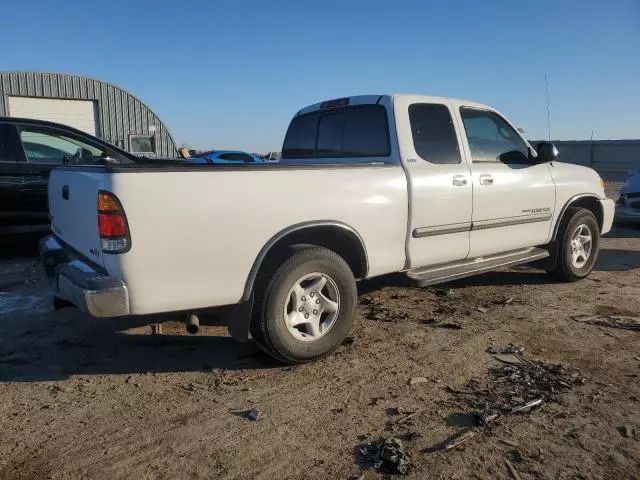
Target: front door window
[[42, 146], [491, 138]]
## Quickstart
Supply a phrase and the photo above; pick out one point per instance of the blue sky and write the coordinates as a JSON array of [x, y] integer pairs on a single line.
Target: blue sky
[[231, 74]]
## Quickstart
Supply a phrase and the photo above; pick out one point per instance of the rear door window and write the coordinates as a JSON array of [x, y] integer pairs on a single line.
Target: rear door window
[[434, 135], [356, 131]]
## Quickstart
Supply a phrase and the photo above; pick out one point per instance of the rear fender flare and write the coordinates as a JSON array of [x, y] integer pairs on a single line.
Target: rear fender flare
[[273, 241]]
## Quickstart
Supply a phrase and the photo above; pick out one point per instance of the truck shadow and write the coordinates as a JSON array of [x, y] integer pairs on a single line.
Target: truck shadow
[[612, 260], [609, 260], [624, 229], [58, 345]]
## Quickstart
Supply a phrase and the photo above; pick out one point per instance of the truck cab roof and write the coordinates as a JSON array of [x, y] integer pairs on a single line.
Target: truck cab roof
[[380, 99]]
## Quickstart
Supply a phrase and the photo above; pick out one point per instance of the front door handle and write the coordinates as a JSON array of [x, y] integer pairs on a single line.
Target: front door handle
[[486, 180], [459, 180]]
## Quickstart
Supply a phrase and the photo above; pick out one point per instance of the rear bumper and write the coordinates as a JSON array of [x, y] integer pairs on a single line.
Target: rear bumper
[[76, 281], [608, 210]]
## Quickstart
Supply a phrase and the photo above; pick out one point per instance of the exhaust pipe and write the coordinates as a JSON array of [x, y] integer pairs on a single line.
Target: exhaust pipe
[[193, 324]]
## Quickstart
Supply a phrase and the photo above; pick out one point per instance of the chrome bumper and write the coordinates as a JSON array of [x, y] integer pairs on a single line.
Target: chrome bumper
[[76, 281], [608, 210]]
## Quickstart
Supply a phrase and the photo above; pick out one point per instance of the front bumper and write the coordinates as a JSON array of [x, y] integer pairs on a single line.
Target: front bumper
[[624, 212], [76, 281], [608, 210]]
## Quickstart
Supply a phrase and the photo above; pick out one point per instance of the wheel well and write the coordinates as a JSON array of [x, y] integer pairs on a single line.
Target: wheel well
[[590, 203], [336, 237]]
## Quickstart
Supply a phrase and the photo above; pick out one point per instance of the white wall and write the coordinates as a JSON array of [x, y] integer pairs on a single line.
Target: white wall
[[80, 114]]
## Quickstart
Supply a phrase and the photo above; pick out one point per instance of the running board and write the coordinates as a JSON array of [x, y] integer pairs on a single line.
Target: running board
[[465, 268]]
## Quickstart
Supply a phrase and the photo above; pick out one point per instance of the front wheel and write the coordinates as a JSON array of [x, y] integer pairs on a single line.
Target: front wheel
[[578, 245], [308, 306]]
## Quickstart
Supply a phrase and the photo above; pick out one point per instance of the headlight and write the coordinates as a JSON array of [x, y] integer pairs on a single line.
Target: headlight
[[602, 184]]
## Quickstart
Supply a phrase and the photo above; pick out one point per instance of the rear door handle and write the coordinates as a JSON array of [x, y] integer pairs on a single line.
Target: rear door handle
[[486, 180], [459, 180]]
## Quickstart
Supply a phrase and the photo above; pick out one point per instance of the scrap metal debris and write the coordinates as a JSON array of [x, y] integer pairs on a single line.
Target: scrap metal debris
[[458, 439], [377, 311], [484, 419], [630, 431], [386, 456], [414, 380], [509, 349], [528, 406], [253, 414], [611, 321], [450, 324], [450, 292], [512, 359], [400, 417], [511, 389], [519, 387], [454, 440], [512, 469], [407, 417]]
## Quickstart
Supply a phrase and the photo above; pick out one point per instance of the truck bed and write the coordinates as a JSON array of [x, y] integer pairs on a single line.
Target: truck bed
[[196, 230]]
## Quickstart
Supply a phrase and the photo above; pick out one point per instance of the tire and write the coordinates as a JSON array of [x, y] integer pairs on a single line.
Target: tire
[[313, 282], [569, 265], [59, 303]]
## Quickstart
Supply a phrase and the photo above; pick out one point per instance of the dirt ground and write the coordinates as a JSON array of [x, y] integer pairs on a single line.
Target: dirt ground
[[89, 398]]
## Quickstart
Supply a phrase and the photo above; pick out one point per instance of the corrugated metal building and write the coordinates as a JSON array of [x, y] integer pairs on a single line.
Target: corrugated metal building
[[602, 155], [93, 106]]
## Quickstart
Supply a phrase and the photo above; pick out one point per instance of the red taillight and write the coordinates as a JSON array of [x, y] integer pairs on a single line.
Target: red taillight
[[111, 225]]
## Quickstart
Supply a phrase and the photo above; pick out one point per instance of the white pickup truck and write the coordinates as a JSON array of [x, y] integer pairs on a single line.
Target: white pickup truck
[[367, 185]]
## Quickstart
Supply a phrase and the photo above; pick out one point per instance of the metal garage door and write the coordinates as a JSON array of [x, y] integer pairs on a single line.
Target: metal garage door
[[80, 114]]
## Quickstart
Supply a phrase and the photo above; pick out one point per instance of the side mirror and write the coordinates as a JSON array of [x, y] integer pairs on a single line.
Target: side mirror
[[547, 152]]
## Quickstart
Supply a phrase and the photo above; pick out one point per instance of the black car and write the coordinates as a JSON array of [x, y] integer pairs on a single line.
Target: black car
[[29, 149]]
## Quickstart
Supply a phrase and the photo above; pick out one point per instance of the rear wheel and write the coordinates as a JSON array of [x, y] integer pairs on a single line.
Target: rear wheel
[[578, 245], [307, 307]]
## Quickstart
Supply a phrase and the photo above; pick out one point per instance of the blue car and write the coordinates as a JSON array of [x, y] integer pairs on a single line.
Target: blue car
[[225, 157]]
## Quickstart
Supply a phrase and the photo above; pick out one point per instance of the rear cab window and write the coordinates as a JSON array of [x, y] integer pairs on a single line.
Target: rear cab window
[[356, 131]]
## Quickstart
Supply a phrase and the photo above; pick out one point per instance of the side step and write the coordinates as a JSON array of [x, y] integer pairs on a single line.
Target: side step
[[447, 272]]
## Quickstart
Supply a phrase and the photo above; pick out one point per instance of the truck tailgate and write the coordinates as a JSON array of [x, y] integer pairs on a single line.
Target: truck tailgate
[[73, 208]]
